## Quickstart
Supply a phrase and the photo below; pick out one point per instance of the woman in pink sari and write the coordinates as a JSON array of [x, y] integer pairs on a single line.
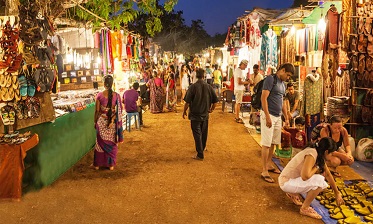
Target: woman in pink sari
[[108, 125], [156, 94]]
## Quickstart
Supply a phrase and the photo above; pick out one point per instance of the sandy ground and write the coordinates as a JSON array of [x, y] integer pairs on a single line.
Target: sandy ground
[[157, 181]]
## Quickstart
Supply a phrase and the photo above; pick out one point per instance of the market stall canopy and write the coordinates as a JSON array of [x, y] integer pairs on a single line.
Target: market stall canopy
[[320, 11], [290, 17], [265, 15]]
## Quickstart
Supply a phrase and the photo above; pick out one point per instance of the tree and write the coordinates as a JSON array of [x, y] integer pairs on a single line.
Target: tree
[[118, 13]]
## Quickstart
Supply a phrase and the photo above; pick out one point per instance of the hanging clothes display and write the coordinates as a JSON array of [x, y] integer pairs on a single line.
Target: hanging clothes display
[[254, 37], [330, 62], [268, 55], [287, 47], [312, 94]]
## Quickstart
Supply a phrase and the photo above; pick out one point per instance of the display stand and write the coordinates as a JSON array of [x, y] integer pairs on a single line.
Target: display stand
[[12, 167], [63, 143]]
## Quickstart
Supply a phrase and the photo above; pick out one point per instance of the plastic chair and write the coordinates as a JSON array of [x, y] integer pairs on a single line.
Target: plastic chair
[[129, 118], [228, 98]]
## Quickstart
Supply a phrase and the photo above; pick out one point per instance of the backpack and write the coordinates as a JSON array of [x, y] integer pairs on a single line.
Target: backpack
[[315, 134], [256, 101]]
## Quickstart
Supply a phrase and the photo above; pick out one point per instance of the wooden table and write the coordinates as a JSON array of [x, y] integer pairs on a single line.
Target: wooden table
[[12, 167]]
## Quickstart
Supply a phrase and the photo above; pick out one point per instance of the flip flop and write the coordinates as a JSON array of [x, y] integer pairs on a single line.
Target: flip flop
[[294, 199], [239, 120], [274, 170], [267, 179], [335, 173]]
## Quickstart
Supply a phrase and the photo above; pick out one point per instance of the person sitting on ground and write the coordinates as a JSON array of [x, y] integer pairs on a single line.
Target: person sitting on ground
[[339, 134], [298, 135], [292, 97], [132, 101], [306, 173]]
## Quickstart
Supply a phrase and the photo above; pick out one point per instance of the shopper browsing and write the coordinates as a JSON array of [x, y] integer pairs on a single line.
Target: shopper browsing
[[270, 115], [339, 134], [239, 87], [108, 125], [306, 173]]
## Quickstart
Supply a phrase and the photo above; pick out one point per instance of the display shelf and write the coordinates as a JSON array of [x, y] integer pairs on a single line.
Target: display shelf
[[362, 88]]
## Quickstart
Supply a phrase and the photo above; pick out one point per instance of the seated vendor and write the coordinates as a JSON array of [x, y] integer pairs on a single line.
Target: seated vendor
[[292, 97], [339, 134], [132, 101], [298, 135]]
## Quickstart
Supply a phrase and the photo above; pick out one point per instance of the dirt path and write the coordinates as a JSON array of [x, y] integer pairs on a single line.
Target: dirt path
[[156, 181]]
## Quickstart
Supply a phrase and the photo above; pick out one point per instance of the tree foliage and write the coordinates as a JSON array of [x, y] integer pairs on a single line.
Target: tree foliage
[[118, 13], [177, 36]]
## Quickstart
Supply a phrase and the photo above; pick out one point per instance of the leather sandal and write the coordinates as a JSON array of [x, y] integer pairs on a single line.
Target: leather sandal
[[365, 210], [366, 79], [354, 62], [361, 67], [361, 43], [370, 80], [353, 43], [310, 212], [342, 214], [369, 61], [350, 220], [338, 209], [368, 26], [360, 29]]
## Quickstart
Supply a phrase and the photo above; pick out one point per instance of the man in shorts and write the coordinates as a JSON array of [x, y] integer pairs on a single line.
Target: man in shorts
[[239, 87], [270, 116]]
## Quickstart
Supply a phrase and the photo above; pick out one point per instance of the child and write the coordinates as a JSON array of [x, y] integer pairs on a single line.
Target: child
[[298, 135]]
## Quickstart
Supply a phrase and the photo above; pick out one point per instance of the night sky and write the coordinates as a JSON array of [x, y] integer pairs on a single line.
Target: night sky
[[217, 15]]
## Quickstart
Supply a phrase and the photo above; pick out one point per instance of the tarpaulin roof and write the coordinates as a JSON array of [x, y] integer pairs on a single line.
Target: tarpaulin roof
[[291, 16], [320, 11], [265, 15]]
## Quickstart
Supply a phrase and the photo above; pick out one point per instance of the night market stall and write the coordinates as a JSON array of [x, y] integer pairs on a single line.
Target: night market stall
[[48, 83]]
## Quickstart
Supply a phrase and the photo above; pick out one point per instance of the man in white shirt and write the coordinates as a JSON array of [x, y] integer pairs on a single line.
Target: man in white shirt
[[239, 87], [256, 76]]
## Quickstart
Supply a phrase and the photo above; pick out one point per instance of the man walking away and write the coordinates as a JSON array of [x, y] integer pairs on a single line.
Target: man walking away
[[201, 100], [270, 116]]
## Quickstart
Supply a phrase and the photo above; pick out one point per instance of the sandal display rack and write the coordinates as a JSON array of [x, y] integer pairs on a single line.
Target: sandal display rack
[[361, 70]]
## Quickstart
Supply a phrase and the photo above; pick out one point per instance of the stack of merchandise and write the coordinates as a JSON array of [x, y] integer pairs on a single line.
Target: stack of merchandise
[[14, 138], [358, 197], [72, 101], [337, 105]]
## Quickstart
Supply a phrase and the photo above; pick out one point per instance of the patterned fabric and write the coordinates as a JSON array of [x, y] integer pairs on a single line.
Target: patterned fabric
[[156, 97], [268, 56], [108, 135], [313, 96]]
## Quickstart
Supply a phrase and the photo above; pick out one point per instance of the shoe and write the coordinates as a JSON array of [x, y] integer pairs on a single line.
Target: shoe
[[267, 179], [197, 158], [310, 212], [294, 198], [239, 120]]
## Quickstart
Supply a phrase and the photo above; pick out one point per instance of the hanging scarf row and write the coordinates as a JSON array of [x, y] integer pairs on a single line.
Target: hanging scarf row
[[116, 44]]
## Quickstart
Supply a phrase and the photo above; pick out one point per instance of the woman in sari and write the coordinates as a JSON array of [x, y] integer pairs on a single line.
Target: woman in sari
[[156, 94], [108, 125], [171, 89]]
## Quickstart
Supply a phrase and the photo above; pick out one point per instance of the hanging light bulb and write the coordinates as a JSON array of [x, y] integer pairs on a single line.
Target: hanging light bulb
[[321, 24]]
